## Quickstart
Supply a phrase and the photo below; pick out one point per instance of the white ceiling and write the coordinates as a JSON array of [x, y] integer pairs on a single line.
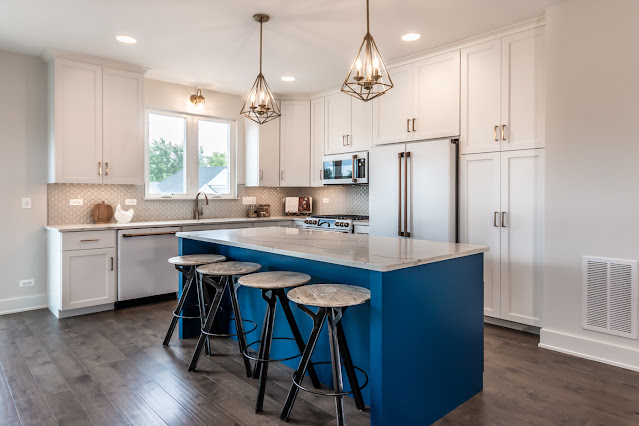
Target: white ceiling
[[214, 43]]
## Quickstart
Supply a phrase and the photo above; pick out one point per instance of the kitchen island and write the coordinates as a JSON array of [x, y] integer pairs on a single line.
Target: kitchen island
[[420, 340]]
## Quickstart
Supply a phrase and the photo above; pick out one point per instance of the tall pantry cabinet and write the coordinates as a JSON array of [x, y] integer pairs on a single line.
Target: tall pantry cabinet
[[501, 178]]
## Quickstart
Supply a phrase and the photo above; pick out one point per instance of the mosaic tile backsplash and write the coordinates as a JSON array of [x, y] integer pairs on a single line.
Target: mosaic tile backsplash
[[342, 200]]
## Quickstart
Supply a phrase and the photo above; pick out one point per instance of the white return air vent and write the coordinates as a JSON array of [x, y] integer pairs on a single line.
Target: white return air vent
[[610, 296]]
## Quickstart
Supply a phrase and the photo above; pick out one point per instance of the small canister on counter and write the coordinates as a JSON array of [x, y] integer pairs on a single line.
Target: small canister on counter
[[252, 210], [264, 210]]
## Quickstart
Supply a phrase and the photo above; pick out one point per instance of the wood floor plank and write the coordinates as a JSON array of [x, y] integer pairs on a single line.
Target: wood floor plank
[[8, 413], [67, 409], [44, 371], [32, 408]]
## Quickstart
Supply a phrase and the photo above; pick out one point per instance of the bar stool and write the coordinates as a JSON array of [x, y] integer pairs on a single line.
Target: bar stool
[[272, 285], [224, 272], [332, 300], [186, 265]]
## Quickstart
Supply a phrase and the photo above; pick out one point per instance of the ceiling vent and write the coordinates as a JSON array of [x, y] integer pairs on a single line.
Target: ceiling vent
[[610, 296]]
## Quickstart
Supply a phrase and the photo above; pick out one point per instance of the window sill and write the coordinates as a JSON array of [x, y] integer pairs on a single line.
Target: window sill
[[189, 197]]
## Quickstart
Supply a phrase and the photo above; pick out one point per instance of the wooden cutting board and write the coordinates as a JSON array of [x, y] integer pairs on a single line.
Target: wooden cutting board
[[102, 212]]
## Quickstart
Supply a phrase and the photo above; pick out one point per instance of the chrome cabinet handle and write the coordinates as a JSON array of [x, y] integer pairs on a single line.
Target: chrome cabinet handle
[[503, 132], [414, 119], [149, 234], [408, 125], [495, 219], [111, 262], [90, 241], [99, 168], [354, 177], [503, 219], [343, 140], [400, 155], [348, 140], [406, 233], [321, 175], [261, 174], [495, 134], [106, 169]]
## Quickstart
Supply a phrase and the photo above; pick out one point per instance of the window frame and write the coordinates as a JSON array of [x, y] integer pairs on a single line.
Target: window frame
[[191, 155]]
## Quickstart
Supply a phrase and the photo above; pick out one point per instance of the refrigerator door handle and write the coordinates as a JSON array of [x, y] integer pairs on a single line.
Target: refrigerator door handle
[[399, 195], [406, 233]]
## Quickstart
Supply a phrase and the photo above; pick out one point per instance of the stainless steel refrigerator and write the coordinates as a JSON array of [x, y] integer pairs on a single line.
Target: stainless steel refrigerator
[[412, 190]]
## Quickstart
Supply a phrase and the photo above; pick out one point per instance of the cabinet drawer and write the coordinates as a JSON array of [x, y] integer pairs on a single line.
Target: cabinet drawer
[[88, 240]]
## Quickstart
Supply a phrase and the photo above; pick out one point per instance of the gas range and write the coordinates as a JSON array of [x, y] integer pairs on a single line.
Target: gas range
[[335, 223]]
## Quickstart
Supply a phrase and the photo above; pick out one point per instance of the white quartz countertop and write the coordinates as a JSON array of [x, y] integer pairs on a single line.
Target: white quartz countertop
[[355, 250], [161, 224]]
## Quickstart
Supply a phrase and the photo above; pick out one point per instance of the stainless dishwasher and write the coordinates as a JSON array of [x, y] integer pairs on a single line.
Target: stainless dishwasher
[[143, 270]]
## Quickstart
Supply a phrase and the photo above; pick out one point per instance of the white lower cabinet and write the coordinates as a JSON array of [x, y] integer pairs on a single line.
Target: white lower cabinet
[[502, 206], [88, 278]]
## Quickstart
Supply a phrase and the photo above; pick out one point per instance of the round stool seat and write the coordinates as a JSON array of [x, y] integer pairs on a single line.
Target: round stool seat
[[273, 280], [229, 268], [196, 259], [330, 295]]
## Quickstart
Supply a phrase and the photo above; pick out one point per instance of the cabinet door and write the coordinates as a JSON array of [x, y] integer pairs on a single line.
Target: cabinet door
[[77, 115], [295, 143], [337, 122], [393, 110], [436, 97], [523, 90], [123, 127], [386, 169], [317, 142], [432, 170], [479, 218], [480, 98], [361, 136], [88, 278], [522, 235], [262, 153]]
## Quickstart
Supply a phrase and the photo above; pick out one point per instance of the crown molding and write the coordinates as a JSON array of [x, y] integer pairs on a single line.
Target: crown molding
[[50, 54]]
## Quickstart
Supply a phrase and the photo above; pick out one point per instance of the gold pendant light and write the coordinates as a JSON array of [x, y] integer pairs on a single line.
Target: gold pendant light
[[260, 105], [367, 78]]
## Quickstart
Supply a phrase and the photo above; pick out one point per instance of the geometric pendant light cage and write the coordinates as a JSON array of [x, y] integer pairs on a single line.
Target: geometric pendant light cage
[[260, 105], [368, 77]]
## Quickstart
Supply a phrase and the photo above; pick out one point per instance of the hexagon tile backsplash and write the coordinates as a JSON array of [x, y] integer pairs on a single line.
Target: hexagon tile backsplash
[[342, 200]]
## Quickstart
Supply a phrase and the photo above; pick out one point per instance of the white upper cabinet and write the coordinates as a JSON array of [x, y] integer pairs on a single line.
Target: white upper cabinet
[[523, 90], [503, 94], [436, 97], [295, 143], [423, 104], [348, 124], [123, 126], [96, 132], [75, 141], [393, 110], [317, 141], [262, 153]]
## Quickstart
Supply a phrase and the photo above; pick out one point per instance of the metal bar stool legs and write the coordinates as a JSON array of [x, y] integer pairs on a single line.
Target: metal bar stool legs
[[239, 325]]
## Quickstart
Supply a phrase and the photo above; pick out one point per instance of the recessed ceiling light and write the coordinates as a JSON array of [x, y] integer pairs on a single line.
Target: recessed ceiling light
[[411, 37], [288, 78], [126, 39]]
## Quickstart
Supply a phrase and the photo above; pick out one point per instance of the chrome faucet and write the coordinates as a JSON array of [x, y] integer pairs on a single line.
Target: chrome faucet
[[198, 211]]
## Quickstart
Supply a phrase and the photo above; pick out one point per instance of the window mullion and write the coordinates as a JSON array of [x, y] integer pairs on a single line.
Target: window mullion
[[192, 156]]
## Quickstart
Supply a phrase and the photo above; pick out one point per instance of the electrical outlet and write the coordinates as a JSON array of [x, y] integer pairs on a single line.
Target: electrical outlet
[[325, 200], [76, 202], [248, 200], [131, 202], [26, 203], [27, 283]]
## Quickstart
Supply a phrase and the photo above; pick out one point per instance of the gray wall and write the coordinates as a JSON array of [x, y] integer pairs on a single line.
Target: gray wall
[[23, 173], [592, 162]]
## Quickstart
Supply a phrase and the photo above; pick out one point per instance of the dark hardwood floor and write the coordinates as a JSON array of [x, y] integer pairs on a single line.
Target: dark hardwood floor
[[110, 369]]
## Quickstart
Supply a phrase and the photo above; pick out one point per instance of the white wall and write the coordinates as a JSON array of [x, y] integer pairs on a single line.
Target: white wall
[[23, 173], [592, 163], [175, 97]]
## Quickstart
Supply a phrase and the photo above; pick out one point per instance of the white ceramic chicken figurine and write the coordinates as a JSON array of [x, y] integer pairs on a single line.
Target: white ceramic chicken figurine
[[122, 216]]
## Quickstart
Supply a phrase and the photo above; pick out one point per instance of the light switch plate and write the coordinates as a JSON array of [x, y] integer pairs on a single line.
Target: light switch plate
[[27, 283], [325, 200], [76, 202], [26, 203], [131, 202], [248, 200]]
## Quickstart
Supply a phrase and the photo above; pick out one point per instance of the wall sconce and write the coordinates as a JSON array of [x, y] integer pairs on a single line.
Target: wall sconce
[[197, 99]]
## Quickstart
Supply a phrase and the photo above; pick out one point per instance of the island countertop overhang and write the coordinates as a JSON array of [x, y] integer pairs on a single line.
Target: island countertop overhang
[[382, 254]]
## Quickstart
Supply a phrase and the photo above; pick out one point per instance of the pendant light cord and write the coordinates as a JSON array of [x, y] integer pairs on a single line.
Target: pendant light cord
[[261, 45], [368, 25]]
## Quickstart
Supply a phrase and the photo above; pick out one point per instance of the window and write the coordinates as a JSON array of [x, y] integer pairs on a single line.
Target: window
[[187, 154]]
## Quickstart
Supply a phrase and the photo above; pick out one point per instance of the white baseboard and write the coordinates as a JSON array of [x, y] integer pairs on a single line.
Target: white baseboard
[[22, 304], [513, 325], [606, 353], [83, 311]]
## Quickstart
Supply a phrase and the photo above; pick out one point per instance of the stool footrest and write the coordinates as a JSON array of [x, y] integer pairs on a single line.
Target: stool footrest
[[245, 351], [316, 392], [177, 315], [232, 335]]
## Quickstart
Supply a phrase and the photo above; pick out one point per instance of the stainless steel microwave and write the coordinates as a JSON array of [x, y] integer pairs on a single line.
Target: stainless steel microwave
[[345, 169]]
